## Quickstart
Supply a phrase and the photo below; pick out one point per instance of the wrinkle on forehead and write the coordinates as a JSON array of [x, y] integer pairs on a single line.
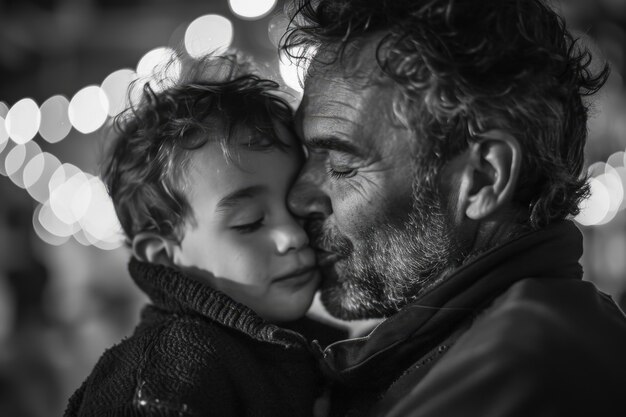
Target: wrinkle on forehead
[[348, 86], [345, 110], [335, 97], [334, 104]]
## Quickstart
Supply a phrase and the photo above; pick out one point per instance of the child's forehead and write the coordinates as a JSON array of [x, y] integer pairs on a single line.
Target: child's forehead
[[210, 169], [218, 187]]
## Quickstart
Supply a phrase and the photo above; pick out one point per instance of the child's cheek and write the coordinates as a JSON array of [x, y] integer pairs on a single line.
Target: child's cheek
[[249, 260]]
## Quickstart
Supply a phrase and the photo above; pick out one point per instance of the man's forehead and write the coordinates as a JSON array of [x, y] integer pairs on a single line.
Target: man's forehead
[[331, 99], [323, 93], [357, 120], [333, 93], [343, 89], [346, 72]]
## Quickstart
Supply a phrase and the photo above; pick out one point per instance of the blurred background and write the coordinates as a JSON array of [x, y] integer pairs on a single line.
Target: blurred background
[[65, 66]]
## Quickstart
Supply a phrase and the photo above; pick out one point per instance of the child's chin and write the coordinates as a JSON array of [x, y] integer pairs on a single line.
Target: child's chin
[[291, 312]]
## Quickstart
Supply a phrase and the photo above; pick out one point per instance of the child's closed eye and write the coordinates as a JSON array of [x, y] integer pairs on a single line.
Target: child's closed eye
[[249, 227]]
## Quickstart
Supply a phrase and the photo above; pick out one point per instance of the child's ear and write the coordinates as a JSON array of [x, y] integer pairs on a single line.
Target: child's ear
[[491, 174], [152, 248]]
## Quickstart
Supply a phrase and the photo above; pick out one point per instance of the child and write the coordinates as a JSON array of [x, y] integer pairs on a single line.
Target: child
[[199, 176]]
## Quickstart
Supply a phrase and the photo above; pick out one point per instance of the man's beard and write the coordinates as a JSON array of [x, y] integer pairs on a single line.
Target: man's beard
[[390, 263]]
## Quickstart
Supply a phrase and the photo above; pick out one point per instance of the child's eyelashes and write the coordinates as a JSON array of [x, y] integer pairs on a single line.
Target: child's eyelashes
[[249, 227]]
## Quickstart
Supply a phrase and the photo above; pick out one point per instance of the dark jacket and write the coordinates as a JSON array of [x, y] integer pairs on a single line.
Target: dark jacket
[[516, 332], [196, 352]]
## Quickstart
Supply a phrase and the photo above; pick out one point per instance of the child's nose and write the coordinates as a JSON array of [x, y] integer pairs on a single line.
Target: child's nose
[[290, 236]]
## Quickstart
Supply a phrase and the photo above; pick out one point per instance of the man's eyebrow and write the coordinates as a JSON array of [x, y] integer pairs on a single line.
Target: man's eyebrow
[[235, 197], [332, 144]]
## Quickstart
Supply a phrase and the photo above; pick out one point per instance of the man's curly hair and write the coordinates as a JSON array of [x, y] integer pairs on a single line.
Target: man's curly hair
[[144, 169], [464, 67]]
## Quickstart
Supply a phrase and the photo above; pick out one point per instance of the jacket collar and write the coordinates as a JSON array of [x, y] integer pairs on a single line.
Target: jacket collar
[[552, 252], [174, 291]]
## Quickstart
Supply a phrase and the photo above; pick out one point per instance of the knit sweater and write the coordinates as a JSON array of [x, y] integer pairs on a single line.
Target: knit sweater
[[197, 352]]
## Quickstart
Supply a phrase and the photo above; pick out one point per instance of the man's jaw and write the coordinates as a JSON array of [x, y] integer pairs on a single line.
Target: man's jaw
[[353, 284]]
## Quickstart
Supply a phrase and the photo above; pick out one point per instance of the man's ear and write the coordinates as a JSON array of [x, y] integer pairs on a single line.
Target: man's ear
[[150, 247], [491, 173]]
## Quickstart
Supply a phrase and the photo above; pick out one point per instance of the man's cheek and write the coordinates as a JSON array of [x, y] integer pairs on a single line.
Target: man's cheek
[[355, 215]]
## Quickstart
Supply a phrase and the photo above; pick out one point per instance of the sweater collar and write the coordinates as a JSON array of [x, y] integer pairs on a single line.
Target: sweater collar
[[172, 290], [549, 253]]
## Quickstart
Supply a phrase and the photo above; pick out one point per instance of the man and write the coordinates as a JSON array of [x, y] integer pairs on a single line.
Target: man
[[445, 149]]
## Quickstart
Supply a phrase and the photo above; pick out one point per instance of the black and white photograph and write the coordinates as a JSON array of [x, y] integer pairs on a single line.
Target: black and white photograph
[[312, 208]]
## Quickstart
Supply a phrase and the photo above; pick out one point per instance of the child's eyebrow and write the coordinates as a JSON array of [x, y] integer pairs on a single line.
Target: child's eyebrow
[[232, 199]]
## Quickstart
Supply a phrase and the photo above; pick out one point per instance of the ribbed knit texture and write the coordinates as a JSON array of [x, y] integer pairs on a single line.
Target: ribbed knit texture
[[196, 352]]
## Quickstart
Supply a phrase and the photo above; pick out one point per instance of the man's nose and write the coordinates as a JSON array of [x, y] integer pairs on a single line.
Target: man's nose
[[307, 198]]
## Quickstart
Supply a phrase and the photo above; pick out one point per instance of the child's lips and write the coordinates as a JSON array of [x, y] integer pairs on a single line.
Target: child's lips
[[299, 273]]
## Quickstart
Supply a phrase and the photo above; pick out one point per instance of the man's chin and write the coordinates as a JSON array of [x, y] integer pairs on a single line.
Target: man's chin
[[343, 299]]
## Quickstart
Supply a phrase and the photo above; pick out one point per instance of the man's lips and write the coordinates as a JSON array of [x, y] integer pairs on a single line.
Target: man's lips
[[297, 273], [326, 258]]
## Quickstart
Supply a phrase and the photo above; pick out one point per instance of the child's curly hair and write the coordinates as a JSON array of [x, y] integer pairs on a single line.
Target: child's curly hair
[[144, 169]]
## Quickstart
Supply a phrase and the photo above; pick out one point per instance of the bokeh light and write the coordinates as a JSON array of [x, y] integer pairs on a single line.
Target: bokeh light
[[116, 87], [14, 159], [17, 159], [33, 170], [78, 206], [22, 121], [621, 172], [46, 165], [60, 175], [42, 232], [617, 159], [597, 168], [53, 225], [55, 122], [81, 237], [290, 73], [291, 70], [65, 200], [4, 135], [210, 33], [613, 184], [251, 9], [108, 245], [100, 222], [276, 28], [88, 109], [594, 209], [160, 67], [4, 109], [80, 195], [611, 177], [5, 148]]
